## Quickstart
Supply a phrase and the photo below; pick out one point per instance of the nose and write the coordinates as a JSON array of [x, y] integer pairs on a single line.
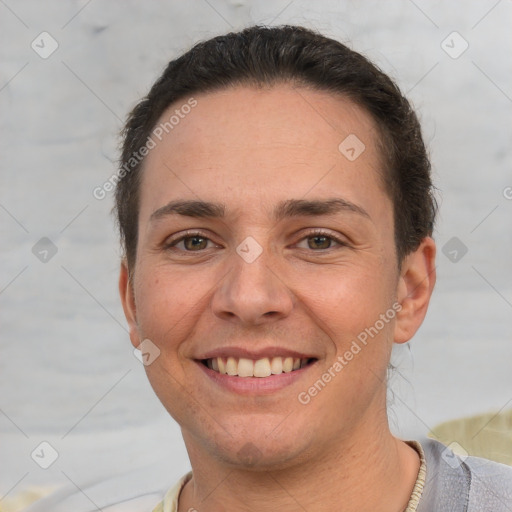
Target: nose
[[252, 292]]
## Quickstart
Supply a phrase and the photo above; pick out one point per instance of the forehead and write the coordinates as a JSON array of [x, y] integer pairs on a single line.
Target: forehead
[[246, 144]]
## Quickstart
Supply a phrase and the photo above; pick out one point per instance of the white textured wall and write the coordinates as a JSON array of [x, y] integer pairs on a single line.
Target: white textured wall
[[67, 372]]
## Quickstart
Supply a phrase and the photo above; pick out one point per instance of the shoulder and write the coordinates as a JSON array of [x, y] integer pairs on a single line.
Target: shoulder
[[456, 482], [170, 501]]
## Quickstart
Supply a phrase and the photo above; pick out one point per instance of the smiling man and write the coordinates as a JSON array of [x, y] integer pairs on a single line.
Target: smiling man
[[276, 212]]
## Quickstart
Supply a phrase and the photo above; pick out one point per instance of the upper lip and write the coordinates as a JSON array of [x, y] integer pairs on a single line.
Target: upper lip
[[241, 352]]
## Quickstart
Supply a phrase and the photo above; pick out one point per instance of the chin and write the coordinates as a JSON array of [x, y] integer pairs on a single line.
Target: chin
[[258, 447], [258, 457]]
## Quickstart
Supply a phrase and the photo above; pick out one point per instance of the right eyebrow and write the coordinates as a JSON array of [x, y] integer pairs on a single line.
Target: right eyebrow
[[189, 208]]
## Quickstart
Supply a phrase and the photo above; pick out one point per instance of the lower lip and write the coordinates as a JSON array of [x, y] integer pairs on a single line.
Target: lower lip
[[254, 385]]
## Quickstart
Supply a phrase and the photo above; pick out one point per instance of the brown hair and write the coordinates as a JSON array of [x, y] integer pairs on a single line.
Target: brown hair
[[268, 55]]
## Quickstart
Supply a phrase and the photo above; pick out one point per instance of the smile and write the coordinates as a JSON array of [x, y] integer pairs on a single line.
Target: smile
[[260, 368]]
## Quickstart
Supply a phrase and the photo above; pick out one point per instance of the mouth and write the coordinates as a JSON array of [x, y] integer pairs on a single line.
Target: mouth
[[260, 368]]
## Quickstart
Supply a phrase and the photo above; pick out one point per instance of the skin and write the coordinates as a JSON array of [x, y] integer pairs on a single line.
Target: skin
[[250, 149]]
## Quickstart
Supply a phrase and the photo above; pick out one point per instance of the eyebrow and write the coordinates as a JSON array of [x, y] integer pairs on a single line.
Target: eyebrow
[[284, 209], [300, 207]]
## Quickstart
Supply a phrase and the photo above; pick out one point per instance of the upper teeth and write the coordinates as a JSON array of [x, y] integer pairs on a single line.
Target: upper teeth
[[260, 368]]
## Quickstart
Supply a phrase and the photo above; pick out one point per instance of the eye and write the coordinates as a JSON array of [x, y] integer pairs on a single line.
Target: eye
[[191, 242], [320, 240]]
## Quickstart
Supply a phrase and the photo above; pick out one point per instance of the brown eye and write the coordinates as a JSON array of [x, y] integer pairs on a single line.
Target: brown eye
[[319, 242], [193, 243]]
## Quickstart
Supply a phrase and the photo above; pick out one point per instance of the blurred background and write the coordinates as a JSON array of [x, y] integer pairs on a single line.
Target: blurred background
[[70, 71]]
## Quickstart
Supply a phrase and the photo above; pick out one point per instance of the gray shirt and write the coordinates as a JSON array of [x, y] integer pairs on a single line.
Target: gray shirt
[[458, 484]]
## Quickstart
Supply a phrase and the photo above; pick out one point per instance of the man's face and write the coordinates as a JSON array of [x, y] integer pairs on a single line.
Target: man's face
[[269, 277]]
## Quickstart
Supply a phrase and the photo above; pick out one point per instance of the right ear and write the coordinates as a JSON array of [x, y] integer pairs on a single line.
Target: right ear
[[128, 301]]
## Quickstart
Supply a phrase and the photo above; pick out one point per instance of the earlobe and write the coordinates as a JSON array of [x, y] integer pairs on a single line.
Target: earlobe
[[415, 286], [128, 302]]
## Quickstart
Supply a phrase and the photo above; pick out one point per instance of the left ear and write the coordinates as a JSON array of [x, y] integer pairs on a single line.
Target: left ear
[[415, 286]]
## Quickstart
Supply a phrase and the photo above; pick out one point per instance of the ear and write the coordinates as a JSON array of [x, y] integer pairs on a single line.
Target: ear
[[128, 301], [415, 286]]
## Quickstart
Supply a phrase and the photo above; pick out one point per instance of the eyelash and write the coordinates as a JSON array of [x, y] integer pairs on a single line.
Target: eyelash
[[326, 234], [318, 232]]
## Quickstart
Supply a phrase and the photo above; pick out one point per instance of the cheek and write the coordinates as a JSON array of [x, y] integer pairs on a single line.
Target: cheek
[[360, 322], [362, 341], [167, 304], [351, 298]]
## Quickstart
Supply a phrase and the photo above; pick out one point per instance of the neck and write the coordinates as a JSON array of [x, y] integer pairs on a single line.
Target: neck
[[364, 472]]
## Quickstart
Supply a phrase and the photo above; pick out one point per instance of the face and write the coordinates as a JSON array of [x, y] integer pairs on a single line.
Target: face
[[267, 252]]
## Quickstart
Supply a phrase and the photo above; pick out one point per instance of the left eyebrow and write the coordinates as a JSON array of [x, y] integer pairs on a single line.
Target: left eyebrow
[[284, 209], [297, 207]]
